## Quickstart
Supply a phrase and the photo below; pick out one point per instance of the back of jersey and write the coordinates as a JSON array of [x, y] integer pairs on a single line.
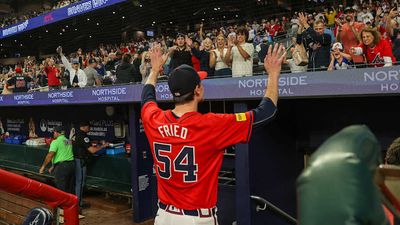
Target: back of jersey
[[188, 154]]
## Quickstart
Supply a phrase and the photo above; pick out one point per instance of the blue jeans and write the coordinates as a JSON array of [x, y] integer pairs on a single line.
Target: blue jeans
[[80, 176]]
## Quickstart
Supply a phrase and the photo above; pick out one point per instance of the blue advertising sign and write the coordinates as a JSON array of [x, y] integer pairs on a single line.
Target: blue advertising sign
[[57, 15], [371, 81]]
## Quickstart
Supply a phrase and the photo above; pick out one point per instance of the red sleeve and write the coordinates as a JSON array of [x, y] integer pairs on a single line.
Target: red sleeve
[[230, 129], [387, 49]]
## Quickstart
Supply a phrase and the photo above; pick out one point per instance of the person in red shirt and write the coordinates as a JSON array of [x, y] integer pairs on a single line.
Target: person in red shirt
[[187, 159], [378, 51], [52, 74], [348, 33], [195, 60]]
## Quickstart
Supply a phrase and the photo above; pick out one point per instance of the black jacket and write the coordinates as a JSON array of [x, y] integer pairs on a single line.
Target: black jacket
[[127, 73], [318, 46], [204, 58]]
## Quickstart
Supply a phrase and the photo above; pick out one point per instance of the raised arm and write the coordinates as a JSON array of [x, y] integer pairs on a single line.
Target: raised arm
[[267, 108], [273, 65], [64, 59]]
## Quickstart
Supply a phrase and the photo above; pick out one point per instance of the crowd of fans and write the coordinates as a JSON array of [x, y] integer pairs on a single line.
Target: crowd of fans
[[15, 18], [333, 38]]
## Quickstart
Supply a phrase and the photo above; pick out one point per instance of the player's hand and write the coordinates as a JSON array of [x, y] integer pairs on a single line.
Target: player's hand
[[273, 61], [156, 59]]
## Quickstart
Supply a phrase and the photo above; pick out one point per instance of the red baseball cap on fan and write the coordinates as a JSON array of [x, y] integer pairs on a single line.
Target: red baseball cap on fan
[[18, 70]]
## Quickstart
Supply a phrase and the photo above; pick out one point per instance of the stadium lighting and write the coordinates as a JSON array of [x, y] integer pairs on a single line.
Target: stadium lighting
[[20, 45], [60, 33], [114, 12], [97, 24], [76, 29], [123, 17], [66, 26], [90, 36], [88, 19], [170, 22], [140, 5], [15, 40], [47, 31]]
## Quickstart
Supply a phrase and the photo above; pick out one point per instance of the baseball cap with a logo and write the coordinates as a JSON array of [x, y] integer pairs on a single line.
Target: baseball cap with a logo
[[337, 45], [184, 80]]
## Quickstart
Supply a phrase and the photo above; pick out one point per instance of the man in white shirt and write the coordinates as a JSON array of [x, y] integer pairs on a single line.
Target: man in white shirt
[[240, 54], [77, 76]]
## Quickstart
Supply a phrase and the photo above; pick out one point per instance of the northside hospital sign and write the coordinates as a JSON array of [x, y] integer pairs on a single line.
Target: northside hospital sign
[[371, 81], [57, 15]]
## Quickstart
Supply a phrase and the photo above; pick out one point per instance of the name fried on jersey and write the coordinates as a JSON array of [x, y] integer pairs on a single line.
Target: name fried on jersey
[[173, 130]]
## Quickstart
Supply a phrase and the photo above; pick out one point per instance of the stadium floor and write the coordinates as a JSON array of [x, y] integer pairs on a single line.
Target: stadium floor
[[110, 210]]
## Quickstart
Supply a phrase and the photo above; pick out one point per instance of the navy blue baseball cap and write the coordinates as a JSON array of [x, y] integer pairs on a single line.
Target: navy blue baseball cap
[[184, 80]]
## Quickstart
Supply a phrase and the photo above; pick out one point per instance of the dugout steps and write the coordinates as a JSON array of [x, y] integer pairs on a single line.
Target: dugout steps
[[14, 208]]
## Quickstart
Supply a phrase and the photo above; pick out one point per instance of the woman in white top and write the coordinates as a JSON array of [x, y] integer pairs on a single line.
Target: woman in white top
[[217, 58], [240, 54], [145, 66]]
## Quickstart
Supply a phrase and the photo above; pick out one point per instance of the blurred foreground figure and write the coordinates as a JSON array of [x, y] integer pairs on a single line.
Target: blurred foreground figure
[[338, 186]]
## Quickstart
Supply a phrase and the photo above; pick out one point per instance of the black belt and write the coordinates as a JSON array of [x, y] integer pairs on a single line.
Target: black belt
[[196, 212], [63, 162]]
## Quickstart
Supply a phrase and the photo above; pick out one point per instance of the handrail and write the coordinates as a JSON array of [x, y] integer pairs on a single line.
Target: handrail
[[272, 207], [35, 190]]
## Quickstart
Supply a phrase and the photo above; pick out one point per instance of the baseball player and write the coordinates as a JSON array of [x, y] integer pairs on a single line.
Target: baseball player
[[187, 146]]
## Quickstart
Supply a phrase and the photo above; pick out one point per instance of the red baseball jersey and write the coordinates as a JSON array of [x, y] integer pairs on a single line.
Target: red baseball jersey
[[375, 55], [188, 152]]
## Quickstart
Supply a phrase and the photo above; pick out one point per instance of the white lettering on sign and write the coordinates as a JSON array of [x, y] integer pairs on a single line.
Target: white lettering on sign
[[389, 79], [110, 91], [257, 86], [68, 94], [1, 98], [80, 8], [162, 88], [98, 3], [23, 97], [16, 28], [381, 76]]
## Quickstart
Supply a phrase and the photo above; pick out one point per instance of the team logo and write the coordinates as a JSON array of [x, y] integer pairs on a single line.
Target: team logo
[[43, 125], [378, 59], [86, 139]]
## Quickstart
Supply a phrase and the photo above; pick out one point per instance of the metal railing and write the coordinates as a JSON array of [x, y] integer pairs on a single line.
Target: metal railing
[[263, 204]]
